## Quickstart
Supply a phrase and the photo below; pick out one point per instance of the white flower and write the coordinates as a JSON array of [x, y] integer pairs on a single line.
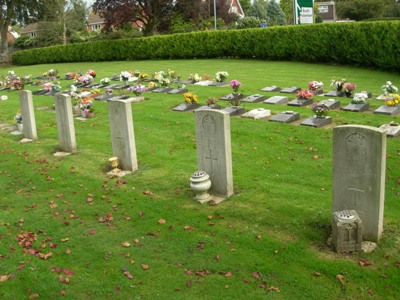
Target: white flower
[[125, 75]]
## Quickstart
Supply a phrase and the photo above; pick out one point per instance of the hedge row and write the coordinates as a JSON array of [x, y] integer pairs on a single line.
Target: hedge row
[[371, 44]]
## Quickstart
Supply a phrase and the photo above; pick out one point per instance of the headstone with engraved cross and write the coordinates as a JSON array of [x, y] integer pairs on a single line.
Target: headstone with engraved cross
[[214, 155], [28, 114], [65, 123], [359, 160], [122, 134]]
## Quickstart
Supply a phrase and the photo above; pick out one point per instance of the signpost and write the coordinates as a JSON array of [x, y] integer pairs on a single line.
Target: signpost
[[303, 11]]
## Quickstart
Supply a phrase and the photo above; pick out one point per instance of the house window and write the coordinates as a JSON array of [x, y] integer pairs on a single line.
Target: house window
[[234, 9], [32, 34], [96, 27]]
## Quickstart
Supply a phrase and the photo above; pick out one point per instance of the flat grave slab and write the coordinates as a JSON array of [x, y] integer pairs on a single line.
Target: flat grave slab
[[222, 83], [162, 90], [40, 92], [387, 110], [228, 97], [300, 102], [285, 117], [356, 107], [318, 92], [317, 122], [104, 97], [272, 88], [253, 98], [258, 113], [234, 110], [367, 94], [177, 91], [183, 107], [334, 94], [392, 129], [204, 83], [381, 97], [207, 107], [276, 100], [331, 103], [291, 90]]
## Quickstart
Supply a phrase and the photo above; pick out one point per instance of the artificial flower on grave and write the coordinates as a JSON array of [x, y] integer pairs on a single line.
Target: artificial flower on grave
[[235, 85], [125, 76], [151, 85], [338, 84], [108, 91], [194, 77], [136, 73], [86, 105], [206, 77], [51, 73], [392, 100], [16, 84], [315, 85], [304, 94], [70, 75], [18, 116], [105, 81], [221, 76], [389, 88], [95, 92], [143, 76], [91, 73], [211, 101], [86, 79], [359, 98], [138, 89], [26, 78], [171, 73], [349, 88], [52, 87], [190, 98], [320, 109]]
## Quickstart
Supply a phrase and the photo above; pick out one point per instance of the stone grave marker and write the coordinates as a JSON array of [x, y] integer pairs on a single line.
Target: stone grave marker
[[387, 110], [234, 110], [258, 113], [184, 107], [291, 90], [28, 115], [276, 100], [164, 89], [65, 123], [253, 98], [219, 83], [334, 94], [123, 135], [206, 107], [300, 102], [204, 83], [272, 88], [356, 107], [286, 117], [317, 121], [331, 103], [392, 129], [178, 91], [214, 155], [228, 97], [359, 162]]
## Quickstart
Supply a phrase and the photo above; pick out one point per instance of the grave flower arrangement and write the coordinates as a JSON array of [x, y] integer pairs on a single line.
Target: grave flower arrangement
[[151, 85], [221, 76], [304, 94], [71, 75], [338, 84], [51, 73], [16, 84], [392, 100], [349, 88], [235, 85], [137, 89], [359, 98], [86, 105], [171, 74], [18, 117], [315, 85], [190, 98], [162, 78], [52, 87], [143, 76], [105, 81], [389, 88], [91, 73], [194, 77], [320, 109], [86, 79], [125, 76]]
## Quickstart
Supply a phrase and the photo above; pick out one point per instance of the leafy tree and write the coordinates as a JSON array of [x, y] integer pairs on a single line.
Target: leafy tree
[[249, 22], [359, 9], [246, 5], [287, 8], [259, 9], [17, 11], [60, 20], [275, 15], [148, 14]]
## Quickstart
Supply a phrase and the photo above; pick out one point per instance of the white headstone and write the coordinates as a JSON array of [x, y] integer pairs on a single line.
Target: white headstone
[[65, 123], [122, 134], [28, 115], [214, 155], [359, 161]]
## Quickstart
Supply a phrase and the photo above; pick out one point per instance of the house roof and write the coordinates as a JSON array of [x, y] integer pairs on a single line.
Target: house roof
[[29, 28], [94, 19]]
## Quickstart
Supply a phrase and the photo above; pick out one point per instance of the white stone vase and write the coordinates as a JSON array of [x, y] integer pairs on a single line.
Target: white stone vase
[[200, 183], [20, 126]]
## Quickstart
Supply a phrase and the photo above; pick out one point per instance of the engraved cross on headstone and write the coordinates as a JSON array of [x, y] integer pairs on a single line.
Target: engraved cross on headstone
[[210, 158], [357, 190]]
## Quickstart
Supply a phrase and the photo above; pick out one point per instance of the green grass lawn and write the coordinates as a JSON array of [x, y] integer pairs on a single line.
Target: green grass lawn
[[268, 240]]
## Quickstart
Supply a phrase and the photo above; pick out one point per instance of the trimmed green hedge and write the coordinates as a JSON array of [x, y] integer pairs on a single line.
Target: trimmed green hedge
[[371, 44]]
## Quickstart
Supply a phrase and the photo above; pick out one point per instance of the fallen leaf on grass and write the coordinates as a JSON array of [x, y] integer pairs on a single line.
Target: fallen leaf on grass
[[65, 239], [45, 256], [161, 221], [68, 272], [92, 232], [190, 228], [274, 289], [397, 264], [228, 274], [189, 283], [340, 277], [34, 296], [67, 251], [363, 262], [145, 267], [129, 275], [147, 192], [256, 275], [316, 274], [4, 278], [125, 244]]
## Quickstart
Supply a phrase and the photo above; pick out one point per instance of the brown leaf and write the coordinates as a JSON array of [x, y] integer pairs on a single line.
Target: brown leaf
[[340, 277], [256, 275], [63, 292], [274, 289], [4, 278], [125, 244], [188, 228], [316, 274], [146, 192], [65, 239], [189, 283], [189, 272], [34, 296], [161, 221], [145, 267], [217, 257], [45, 256], [67, 251], [129, 275], [363, 262], [68, 272], [228, 274], [259, 236], [92, 232], [209, 217]]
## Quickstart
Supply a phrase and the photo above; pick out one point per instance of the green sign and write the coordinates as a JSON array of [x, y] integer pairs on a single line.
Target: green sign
[[303, 11]]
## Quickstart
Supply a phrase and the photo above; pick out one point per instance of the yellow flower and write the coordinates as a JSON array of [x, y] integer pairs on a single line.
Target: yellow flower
[[389, 103], [151, 84]]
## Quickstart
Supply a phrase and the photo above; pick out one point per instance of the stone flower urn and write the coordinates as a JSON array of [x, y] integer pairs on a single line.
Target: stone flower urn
[[114, 162], [200, 183]]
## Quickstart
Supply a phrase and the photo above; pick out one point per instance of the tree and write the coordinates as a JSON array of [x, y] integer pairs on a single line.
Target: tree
[[249, 22], [61, 18], [17, 11], [258, 9], [147, 14], [275, 15], [246, 5], [287, 8], [359, 9]]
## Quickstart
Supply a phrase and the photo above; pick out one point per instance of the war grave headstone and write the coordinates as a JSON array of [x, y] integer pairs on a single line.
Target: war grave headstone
[[359, 161], [331, 103], [65, 123], [276, 100], [258, 113], [253, 98], [285, 117], [214, 154], [392, 129], [272, 88], [28, 115], [122, 136], [206, 107], [290, 90]]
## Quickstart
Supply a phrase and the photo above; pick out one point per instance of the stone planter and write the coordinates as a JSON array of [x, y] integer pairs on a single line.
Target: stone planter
[[200, 183]]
